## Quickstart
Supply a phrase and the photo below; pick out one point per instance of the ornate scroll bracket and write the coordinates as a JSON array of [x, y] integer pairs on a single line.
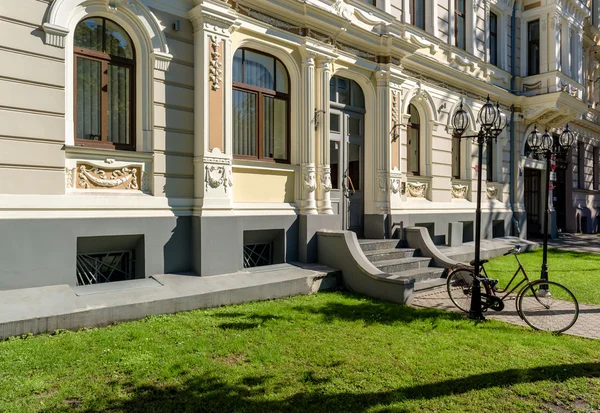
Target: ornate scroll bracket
[[459, 191], [215, 63], [416, 189]]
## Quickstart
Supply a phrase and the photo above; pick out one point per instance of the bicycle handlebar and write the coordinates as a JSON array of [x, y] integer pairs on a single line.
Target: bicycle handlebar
[[515, 250]]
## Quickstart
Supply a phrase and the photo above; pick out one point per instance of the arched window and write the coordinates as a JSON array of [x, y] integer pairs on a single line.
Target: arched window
[[261, 109], [104, 85], [414, 141]]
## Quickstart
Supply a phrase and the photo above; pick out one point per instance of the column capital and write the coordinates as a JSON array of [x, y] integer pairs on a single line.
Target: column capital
[[214, 17]]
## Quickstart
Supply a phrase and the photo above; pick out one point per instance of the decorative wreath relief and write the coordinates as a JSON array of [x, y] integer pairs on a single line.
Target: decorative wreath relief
[[91, 177], [459, 191]]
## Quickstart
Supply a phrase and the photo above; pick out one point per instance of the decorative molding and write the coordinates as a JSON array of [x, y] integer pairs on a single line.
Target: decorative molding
[[309, 177], [356, 52], [459, 191], [325, 178], [395, 181], [491, 192], [215, 63], [416, 189], [265, 18], [55, 35], [382, 182], [215, 176], [528, 87], [162, 61], [70, 177], [395, 108], [92, 177], [343, 10], [146, 182]]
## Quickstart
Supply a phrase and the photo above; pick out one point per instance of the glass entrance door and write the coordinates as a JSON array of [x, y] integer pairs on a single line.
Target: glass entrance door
[[346, 159]]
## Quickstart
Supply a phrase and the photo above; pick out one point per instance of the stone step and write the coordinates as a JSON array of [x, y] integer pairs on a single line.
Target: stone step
[[380, 244], [402, 264], [429, 284], [420, 274], [391, 254]]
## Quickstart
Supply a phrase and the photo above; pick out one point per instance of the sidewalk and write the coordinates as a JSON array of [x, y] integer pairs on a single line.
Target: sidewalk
[[588, 323]]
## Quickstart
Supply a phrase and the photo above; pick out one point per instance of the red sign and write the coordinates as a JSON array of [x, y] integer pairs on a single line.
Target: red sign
[[550, 186]]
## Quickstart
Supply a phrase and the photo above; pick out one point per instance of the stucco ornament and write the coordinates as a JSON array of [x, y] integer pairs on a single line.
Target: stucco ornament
[[459, 191], [326, 180], [215, 176], [491, 192], [126, 178], [395, 185], [310, 181], [343, 9], [215, 64], [416, 189]]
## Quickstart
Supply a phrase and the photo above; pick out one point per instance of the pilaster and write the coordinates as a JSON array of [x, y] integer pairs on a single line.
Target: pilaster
[[566, 47], [382, 140], [553, 45], [213, 178], [307, 203], [321, 125], [544, 44]]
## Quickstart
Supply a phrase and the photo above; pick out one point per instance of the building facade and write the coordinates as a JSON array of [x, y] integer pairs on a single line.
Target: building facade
[[139, 137]]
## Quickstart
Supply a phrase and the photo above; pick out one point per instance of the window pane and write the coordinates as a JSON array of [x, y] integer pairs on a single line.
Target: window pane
[[244, 123], [413, 148], [343, 89], [358, 99], [460, 32], [460, 6], [414, 115], [237, 66], [89, 103], [119, 110], [354, 165], [456, 158], [354, 127], [332, 97], [282, 79], [118, 42], [334, 122], [259, 70], [88, 34], [419, 14], [274, 128], [334, 162]]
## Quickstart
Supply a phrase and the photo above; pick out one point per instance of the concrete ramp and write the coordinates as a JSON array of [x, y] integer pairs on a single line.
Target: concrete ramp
[[46, 309]]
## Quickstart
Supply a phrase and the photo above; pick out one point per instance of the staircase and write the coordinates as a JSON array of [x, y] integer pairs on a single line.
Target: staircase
[[391, 256]]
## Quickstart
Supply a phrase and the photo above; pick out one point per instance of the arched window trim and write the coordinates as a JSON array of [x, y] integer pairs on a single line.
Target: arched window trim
[[106, 59], [262, 92]]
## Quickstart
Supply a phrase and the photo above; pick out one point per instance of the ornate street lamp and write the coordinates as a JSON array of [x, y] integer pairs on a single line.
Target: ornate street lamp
[[544, 145], [492, 122]]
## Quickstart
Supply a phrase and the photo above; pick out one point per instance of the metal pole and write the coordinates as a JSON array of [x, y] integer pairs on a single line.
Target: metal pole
[[544, 274], [475, 312]]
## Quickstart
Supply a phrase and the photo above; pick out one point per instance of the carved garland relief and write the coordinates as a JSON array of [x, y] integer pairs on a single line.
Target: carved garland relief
[[215, 176], [459, 191], [416, 189], [215, 63], [491, 192], [92, 177]]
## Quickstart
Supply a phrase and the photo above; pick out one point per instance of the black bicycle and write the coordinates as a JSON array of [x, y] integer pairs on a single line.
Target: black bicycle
[[543, 305]]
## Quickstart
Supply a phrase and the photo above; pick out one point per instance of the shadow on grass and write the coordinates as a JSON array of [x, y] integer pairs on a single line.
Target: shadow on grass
[[212, 394]]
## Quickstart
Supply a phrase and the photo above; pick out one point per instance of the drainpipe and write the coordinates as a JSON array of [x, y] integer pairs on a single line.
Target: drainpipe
[[512, 115]]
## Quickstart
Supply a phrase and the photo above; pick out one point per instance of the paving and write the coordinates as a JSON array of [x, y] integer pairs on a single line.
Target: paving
[[588, 323]]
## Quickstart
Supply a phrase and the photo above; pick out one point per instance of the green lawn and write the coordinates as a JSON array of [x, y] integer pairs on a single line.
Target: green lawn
[[578, 271], [332, 352]]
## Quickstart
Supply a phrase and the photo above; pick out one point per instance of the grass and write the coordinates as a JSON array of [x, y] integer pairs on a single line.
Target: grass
[[578, 271], [332, 352]]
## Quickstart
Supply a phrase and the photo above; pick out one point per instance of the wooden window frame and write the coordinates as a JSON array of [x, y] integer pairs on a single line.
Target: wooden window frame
[[409, 128], [493, 39], [260, 94], [413, 16], [530, 43], [106, 60], [463, 16]]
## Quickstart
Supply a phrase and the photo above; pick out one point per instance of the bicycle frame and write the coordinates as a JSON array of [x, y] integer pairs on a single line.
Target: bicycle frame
[[505, 289]]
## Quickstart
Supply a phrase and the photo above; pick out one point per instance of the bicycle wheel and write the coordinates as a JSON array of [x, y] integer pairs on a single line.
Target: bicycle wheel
[[548, 306], [459, 285]]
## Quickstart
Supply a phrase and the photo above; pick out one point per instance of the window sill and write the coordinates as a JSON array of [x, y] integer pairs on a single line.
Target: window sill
[[77, 151], [265, 166]]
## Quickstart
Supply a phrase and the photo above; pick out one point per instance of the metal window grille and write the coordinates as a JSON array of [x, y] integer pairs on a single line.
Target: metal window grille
[[256, 255], [105, 267]]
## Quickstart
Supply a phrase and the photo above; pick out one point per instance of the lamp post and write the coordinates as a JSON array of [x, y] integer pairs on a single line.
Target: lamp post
[[492, 122], [544, 145]]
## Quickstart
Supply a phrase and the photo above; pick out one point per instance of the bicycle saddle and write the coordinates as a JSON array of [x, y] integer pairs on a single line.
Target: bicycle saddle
[[481, 262]]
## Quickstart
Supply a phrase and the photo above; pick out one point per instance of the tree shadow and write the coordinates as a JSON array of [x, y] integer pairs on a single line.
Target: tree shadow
[[209, 393]]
